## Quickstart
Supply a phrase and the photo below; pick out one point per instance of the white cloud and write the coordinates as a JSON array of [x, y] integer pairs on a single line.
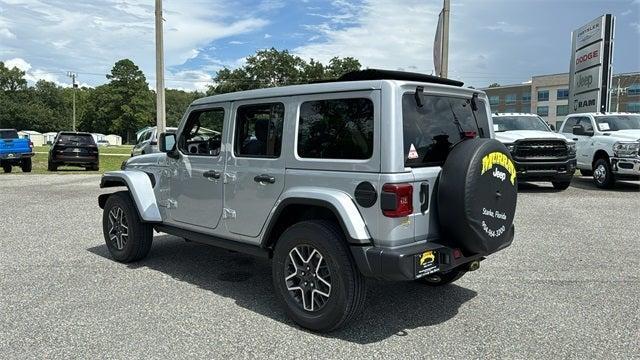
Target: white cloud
[[636, 26], [505, 27], [17, 63], [626, 12], [90, 36], [236, 42], [33, 75], [267, 36]]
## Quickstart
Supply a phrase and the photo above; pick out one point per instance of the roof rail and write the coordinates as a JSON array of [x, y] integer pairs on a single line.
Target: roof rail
[[378, 74]]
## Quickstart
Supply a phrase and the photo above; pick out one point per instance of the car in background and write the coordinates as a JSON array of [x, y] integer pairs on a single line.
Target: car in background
[[540, 153], [75, 149], [147, 142], [15, 151], [608, 145]]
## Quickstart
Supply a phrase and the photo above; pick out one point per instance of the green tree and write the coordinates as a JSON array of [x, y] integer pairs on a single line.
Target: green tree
[[12, 79], [177, 102], [495, 84], [269, 68]]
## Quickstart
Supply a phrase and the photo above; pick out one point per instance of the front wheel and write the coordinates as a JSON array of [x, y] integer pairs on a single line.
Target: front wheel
[[315, 278], [6, 168], [51, 166], [602, 174], [561, 185], [127, 237]]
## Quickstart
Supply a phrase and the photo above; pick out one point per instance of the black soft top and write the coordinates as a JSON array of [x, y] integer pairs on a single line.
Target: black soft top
[[378, 74]]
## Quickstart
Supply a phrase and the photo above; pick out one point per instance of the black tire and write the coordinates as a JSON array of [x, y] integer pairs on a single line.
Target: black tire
[[6, 168], [603, 176], [442, 279], [51, 166], [476, 196], [561, 185], [347, 285], [95, 167], [586, 172], [139, 235], [26, 165]]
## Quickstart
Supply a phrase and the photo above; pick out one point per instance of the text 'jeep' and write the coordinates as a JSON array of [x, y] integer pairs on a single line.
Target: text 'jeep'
[[380, 174]]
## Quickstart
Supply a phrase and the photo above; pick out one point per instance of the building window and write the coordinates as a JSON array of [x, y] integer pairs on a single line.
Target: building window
[[562, 110], [510, 99], [563, 94], [543, 95], [633, 107], [494, 100], [526, 97], [633, 89], [543, 110]]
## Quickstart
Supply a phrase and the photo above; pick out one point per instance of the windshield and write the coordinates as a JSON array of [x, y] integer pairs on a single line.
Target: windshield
[[8, 134], [508, 123], [431, 130], [618, 122], [80, 139]]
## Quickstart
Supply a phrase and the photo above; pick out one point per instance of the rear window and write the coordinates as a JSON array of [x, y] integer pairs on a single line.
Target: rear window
[[336, 129], [8, 134], [76, 139], [431, 131]]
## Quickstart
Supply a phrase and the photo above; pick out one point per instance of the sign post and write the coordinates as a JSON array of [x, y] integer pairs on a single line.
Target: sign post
[[590, 71]]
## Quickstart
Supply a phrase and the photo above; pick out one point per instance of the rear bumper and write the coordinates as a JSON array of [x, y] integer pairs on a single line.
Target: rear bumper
[[15, 156], [399, 264], [70, 159], [547, 170]]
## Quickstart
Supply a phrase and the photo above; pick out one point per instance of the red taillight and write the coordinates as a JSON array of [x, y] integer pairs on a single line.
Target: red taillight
[[397, 200]]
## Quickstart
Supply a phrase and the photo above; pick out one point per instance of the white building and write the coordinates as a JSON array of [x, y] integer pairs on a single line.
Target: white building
[[35, 137], [114, 139], [49, 137]]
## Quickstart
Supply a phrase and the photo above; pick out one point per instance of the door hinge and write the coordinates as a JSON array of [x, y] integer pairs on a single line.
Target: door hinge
[[228, 213]]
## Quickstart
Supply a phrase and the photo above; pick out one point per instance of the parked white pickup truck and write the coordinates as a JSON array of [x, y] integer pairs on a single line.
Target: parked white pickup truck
[[540, 153], [608, 145]]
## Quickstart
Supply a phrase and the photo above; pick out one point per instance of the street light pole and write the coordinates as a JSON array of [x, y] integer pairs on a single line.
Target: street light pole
[[160, 100], [73, 76]]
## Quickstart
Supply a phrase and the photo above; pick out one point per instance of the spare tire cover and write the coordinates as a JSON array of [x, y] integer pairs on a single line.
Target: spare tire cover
[[477, 196]]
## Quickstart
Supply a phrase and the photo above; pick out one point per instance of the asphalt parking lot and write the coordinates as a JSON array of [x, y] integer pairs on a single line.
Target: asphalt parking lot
[[568, 287]]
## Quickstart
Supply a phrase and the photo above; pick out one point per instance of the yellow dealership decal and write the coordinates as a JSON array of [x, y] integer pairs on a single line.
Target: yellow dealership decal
[[498, 158], [427, 257]]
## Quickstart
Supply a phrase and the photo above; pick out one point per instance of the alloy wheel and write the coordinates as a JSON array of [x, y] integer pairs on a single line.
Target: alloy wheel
[[118, 228], [600, 173], [308, 277]]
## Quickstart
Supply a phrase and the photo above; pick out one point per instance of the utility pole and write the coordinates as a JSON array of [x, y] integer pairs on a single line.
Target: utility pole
[[160, 104], [73, 76], [445, 39]]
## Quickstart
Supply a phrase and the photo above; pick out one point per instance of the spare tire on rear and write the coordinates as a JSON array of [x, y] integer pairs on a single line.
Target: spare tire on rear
[[477, 194]]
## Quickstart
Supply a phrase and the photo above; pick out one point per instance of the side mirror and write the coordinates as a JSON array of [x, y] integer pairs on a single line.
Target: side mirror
[[167, 142], [553, 128], [578, 130]]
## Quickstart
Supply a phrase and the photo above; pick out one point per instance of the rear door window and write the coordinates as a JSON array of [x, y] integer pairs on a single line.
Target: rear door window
[[76, 139], [336, 129], [8, 134], [259, 130], [431, 130]]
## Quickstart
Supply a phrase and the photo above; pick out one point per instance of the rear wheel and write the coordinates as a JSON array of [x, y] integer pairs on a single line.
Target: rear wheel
[[26, 165], [127, 237], [442, 279], [561, 185], [315, 278], [6, 168], [602, 174]]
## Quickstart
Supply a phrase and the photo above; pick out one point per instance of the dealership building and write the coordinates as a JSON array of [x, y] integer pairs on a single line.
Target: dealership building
[[548, 96]]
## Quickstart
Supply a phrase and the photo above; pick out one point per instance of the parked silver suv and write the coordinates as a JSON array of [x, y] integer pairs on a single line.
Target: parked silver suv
[[380, 174]]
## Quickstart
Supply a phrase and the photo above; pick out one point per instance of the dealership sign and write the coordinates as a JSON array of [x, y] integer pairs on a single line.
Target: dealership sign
[[590, 70]]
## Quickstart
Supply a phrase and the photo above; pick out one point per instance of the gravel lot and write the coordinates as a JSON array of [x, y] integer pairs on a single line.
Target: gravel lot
[[568, 287]]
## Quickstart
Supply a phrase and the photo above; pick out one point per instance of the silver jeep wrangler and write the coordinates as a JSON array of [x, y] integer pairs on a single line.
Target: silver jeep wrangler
[[382, 174]]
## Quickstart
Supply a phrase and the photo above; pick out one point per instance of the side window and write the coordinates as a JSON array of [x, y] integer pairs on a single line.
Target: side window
[[336, 129], [259, 130], [202, 134], [569, 124], [586, 124]]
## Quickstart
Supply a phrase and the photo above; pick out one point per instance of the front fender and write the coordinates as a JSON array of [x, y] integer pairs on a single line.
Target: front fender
[[338, 201], [140, 188]]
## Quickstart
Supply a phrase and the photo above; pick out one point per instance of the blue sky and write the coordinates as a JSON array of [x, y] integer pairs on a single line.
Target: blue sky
[[504, 41]]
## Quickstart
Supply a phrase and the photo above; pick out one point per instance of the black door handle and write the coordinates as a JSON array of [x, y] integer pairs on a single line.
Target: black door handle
[[211, 174], [424, 197], [264, 178]]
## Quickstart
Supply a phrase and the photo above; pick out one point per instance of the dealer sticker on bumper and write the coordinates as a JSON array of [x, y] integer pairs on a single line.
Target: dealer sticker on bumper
[[426, 263]]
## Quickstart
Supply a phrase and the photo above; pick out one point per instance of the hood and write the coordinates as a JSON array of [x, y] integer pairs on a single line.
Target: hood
[[148, 159], [625, 135], [508, 137]]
